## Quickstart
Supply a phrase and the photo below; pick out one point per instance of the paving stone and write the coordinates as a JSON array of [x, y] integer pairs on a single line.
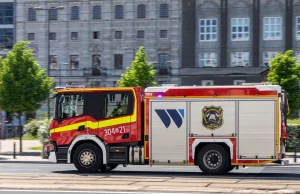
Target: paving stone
[[202, 180], [248, 186], [187, 189], [170, 185], [98, 182], [104, 187], [135, 179], [296, 187]]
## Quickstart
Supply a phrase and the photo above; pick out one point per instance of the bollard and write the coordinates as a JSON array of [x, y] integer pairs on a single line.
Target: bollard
[[14, 150], [295, 154]]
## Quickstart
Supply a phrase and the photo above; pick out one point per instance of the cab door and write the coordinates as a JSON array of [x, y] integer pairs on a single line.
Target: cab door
[[117, 109], [71, 118]]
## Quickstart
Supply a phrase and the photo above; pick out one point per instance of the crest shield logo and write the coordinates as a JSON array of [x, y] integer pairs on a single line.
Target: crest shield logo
[[212, 117]]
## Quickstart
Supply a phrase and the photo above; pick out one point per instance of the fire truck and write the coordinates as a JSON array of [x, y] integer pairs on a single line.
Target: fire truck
[[217, 128]]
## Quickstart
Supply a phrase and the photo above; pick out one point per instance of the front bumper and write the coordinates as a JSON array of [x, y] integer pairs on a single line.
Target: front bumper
[[52, 157]]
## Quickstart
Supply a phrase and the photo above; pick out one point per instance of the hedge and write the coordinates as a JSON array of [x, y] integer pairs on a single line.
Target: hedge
[[293, 131]]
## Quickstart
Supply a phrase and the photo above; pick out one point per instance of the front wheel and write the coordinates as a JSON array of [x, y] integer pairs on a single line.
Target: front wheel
[[213, 159], [87, 158]]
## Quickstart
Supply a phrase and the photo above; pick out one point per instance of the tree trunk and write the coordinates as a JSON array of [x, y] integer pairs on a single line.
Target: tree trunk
[[20, 130]]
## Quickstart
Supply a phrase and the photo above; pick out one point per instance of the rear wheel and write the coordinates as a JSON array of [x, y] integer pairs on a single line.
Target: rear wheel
[[107, 168], [213, 159], [87, 158]]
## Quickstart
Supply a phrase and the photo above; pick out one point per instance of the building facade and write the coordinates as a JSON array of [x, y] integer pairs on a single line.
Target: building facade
[[226, 42], [7, 40], [92, 42]]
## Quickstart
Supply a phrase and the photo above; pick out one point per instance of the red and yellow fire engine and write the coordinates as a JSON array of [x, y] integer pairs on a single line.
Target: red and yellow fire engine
[[216, 128]]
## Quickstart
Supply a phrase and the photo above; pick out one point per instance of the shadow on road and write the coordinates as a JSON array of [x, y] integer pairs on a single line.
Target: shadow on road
[[232, 175]]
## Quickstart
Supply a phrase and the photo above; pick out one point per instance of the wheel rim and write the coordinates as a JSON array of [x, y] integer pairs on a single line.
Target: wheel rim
[[212, 159], [87, 158]]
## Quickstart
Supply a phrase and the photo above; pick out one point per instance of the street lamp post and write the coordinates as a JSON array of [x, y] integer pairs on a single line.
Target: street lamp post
[[48, 44]]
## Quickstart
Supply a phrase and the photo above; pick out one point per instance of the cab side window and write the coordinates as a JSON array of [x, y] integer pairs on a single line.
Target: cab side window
[[72, 106], [118, 104]]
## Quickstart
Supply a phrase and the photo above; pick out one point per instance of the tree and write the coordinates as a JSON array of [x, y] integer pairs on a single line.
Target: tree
[[23, 85], [284, 71], [141, 72]]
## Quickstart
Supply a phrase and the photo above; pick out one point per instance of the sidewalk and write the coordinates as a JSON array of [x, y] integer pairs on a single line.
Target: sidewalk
[[27, 156]]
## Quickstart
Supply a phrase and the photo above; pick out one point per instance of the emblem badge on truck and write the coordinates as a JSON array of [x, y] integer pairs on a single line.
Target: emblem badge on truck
[[212, 117]]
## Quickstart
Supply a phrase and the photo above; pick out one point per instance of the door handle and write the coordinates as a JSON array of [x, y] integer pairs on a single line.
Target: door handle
[[81, 128]]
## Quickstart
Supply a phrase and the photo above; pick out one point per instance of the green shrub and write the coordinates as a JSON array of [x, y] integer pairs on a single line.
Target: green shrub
[[293, 131], [39, 129]]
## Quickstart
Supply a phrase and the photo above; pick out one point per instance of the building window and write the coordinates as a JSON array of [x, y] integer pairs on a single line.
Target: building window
[[164, 34], [53, 61], [164, 10], [52, 36], [140, 34], [31, 36], [208, 59], [298, 28], [240, 29], [6, 38], [96, 63], [141, 11], [207, 82], [163, 60], [96, 35], [118, 35], [119, 11], [118, 61], [74, 35], [267, 58], [208, 29], [52, 13], [97, 12], [240, 59], [31, 14], [6, 13], [272, 28], [74, 61], [238, 82], [75, 13]]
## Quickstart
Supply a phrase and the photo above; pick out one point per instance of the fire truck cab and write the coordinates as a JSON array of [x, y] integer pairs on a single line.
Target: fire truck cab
[[216, 128]]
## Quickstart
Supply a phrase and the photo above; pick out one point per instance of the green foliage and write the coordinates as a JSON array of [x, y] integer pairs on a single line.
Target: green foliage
[[293, 131], [293, 121], [285, 72], [36, 148], [23, 85], [141, 72], [38, 128], [32, 127]]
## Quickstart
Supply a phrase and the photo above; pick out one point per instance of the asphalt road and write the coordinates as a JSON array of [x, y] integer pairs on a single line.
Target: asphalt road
[[285, 172]]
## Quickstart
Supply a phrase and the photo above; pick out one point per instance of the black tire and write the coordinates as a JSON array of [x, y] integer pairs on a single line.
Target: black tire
[[92, 161], [107, 168], [213, 160]]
